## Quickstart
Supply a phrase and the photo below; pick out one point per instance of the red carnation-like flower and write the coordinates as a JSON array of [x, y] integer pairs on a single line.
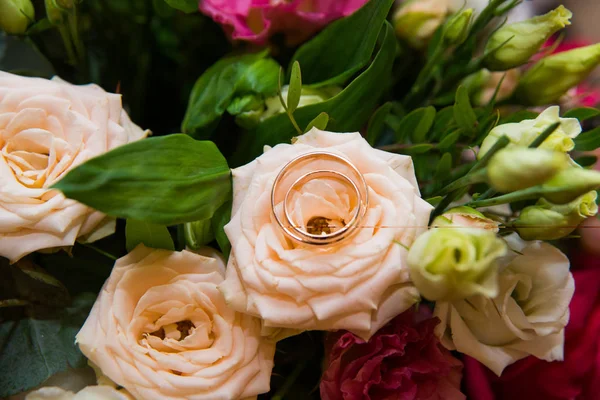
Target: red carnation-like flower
[[402, 361]]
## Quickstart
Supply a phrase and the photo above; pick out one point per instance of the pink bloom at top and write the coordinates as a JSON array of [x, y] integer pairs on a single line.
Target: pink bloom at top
[[256, 20], [402, 361]]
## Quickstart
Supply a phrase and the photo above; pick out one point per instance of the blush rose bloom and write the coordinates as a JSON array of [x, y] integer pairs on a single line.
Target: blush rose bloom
[[358, 284], [100, 392], [403, 360], [161, 329], [527, 317], [256, 20], [47, 127]]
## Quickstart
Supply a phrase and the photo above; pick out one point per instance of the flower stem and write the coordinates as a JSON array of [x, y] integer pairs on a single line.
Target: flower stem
[[467, 180], [544, 135], [290, 380], [525, 194], [99, 251]]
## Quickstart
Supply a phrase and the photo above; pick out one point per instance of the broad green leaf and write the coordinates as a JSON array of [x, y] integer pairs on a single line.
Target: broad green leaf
[[416, 125], [198, 233], [377, 123], [217, 88], [187, 6], [449, 140], [220, 219], [348, 111], [586, 161], [151, 235], [295, 89], [463, 112], [588, 141], [344, 47], [444, 167], [444, 122], [419, 149], [33, 349], [320, 122], [164, 180], [582, 114]]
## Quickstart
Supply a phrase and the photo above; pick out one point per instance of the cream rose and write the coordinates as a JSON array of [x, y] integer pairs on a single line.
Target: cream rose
[[161, 329], [358, 284], [100, 392], [48, 127], [527, 317]]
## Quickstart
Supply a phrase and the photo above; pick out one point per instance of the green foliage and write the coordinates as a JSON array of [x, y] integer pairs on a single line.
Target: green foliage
[[219, 220], [463, 112], [151, 235], [344, 47], [34, 348], [187, 6], [165, 180], [320, 122], [295, 89], [582, 114], [377, 123], [216, 89], [416, 124], [198, 233], [588, 141]]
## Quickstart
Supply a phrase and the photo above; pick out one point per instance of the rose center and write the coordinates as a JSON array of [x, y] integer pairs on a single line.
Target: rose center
[[178, 331], [321, 225]]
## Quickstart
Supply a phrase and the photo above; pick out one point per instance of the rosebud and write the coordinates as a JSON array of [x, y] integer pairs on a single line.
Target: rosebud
[[465, 217], [523, 133], [451, 264], [514, 44], [416, 20], [520, 168], [307, 97], [457, 28], [547, 221], [16, 15], [569, 184], [549, 79]]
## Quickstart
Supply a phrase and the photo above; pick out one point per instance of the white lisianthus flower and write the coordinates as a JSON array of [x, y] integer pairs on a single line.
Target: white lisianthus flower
[[100, 392], [161, 329], [47, 127], [527, 317], [523, 133], [358, 284]]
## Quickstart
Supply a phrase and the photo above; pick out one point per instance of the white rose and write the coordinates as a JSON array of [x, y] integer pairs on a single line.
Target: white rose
[[527, 317], [161, 329], [100, 392], [46, 129], [358, 284]]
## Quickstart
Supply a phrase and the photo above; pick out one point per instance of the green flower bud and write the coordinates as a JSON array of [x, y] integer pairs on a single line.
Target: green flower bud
[[308, 97], [547, 221], [550, 78], [514, 44], [465, 217], [416, 20], [519, 168], [569, 184], [451, 264], [523, 133], [457, 28], [16, 15]]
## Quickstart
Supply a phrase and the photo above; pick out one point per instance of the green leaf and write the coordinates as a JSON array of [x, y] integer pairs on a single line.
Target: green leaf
[[463, 112], [320, 122], [218, 86], [377, 123], [586, 161], [444, 167], [151, 235], [164, 180], [450, 140], [187, 6], [419, 149], [416, 124], [444, 122], [344, 47], [348, 111], [220, 219], [588, 141], [519, 116], [295, 89], [198, 233], [582, 114], [33, 349]]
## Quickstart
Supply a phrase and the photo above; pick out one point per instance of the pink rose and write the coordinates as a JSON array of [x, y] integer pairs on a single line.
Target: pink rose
[[403, 360], [256, 20], [577, 377]]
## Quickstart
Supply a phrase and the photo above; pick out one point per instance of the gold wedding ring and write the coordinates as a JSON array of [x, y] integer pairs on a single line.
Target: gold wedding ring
[[327, 166]]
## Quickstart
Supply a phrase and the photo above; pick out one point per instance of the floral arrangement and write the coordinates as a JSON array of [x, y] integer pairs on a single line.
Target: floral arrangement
[[295, 199]]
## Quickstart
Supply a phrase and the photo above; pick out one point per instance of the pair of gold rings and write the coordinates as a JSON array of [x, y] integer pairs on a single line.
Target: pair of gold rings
[[293, 176]]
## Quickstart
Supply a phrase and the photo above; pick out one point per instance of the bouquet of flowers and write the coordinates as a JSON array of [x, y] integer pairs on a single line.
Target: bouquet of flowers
[[343, 200]]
